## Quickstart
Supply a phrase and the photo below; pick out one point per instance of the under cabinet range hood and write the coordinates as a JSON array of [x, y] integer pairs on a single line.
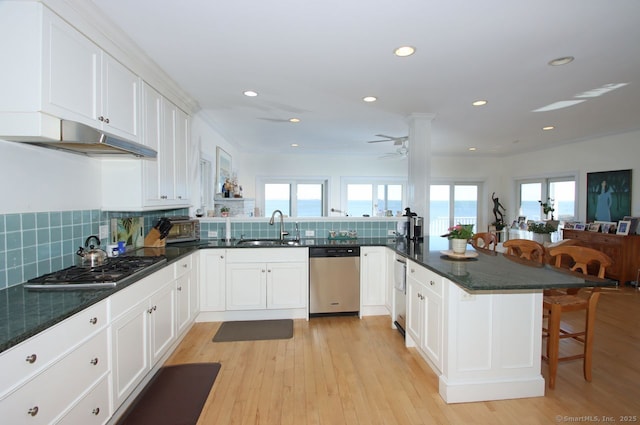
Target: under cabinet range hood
[[81, 139]]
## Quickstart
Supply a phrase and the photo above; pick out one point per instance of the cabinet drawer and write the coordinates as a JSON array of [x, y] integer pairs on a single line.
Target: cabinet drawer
[[182, 266], [431, 280], [49, 394], [124, 300], [93, 409], [30, 357]]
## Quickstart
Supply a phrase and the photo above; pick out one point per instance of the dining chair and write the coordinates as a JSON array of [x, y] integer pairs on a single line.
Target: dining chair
[[484, 240], [525, 248], [554, 305]]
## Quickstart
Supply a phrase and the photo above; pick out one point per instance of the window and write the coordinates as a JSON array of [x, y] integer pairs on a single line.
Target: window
[[373, 198], [561, 189], [295, 198], [451, 204]]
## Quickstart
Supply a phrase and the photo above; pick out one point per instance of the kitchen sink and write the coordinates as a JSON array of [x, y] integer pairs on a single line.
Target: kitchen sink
[[266, 242]]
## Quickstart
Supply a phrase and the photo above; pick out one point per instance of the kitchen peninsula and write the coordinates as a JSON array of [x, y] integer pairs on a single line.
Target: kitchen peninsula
[[477, 323]]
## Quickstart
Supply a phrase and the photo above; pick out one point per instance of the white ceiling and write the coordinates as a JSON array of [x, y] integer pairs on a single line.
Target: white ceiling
[[316, 60]]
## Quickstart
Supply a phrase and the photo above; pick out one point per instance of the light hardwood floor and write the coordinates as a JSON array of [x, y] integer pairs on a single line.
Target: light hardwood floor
[[343, 370]]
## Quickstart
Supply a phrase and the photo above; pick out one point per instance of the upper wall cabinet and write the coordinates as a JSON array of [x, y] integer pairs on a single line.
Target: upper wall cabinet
[[57, 71], [152, 184]]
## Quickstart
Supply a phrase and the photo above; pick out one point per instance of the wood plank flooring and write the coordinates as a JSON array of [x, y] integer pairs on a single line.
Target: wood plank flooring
[[343, 370]]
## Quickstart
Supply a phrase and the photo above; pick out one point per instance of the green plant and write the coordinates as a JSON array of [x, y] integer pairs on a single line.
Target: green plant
[[224, 209], [547, 207], [541, 227], [460, 231]]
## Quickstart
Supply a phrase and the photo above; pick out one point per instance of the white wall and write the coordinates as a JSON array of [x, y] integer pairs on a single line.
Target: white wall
[[37, 179], [609, 153], [331, 167]]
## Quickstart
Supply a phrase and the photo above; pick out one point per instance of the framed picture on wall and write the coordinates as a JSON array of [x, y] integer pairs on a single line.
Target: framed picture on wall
[[608, 195]]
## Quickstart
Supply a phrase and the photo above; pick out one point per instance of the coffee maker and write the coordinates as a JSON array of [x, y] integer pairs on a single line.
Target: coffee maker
[[413, 226]]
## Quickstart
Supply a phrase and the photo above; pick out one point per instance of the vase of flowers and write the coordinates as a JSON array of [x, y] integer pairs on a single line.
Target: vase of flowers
[[459, 235]]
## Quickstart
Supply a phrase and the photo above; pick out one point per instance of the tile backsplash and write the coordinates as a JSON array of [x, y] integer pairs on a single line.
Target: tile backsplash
[[36, 243]]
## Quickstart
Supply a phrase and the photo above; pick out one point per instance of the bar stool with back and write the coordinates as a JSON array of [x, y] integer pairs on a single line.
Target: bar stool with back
[[557, 303], [526, 249], [484, 240]]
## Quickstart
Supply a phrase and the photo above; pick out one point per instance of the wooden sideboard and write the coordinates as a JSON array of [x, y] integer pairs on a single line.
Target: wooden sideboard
[[623, 250]]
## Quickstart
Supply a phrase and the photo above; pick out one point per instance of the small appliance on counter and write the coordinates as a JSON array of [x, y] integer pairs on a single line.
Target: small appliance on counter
[[183, 229], [413, 227]]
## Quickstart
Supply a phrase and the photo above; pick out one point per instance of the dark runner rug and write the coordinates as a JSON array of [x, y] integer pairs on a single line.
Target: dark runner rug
[[174, 396], [252, 330]]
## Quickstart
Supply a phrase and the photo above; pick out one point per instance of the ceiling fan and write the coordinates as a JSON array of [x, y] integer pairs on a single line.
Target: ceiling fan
[[397, 141], [401, 151]]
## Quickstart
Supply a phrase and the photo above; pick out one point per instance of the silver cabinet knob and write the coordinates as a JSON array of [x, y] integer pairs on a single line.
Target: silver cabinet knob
[[32, 358], [106, 120], [93, 320], [94, 361], [33, 411], [96, 411]]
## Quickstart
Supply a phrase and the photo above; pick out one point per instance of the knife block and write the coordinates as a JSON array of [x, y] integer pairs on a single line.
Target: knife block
[[152, 240]]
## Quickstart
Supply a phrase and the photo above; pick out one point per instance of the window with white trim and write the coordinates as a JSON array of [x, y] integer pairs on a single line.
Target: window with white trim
[[372, 197], [295, 197], [562, 190]]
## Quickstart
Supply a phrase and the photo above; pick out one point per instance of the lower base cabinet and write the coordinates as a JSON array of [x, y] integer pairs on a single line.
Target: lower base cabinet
[[143, 333], [52, 393], [280, 281], [425, 314]]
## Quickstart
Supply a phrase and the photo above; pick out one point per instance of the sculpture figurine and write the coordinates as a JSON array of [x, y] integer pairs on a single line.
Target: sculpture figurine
[[499, 223]]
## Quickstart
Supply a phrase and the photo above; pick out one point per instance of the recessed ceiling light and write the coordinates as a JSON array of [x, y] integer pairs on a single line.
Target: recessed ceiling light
[[548, 127], [250, 93], [479, 103], [404, 51], [473, 148], [294, 119], [369, 98], [561, 61], [294, 145]]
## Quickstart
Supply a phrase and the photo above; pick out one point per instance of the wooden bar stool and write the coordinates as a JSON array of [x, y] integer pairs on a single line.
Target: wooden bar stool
[[484, 240], [555, 305], [525, 248]]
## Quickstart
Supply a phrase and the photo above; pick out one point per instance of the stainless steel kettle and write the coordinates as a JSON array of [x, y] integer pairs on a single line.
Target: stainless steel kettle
[[92, 256]]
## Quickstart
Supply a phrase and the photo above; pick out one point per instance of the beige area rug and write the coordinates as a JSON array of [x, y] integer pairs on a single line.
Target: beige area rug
[[253, 330]]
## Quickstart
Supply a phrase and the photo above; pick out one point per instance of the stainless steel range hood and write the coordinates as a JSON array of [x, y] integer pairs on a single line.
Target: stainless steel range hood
[[81, 139]]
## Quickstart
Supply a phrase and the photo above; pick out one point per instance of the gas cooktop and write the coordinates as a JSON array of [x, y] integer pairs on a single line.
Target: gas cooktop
[[109, 274]]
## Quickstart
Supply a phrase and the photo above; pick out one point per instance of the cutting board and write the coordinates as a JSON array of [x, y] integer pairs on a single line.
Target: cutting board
[[128, 229]]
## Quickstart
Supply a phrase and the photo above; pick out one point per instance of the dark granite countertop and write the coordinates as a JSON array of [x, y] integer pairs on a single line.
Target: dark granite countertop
[[24, 313]]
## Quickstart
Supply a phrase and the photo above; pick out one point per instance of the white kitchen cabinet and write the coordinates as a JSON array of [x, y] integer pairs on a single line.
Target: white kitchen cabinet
[[67, 76], [75, 351], [152, 183], [425, 315], [92, 409], [186, 270], [279, 281], [142, 330], [212, 280], [373, 280], [53, 392]]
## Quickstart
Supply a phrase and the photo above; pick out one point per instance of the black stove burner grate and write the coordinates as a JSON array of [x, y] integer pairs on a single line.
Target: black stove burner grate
[[107, 274]]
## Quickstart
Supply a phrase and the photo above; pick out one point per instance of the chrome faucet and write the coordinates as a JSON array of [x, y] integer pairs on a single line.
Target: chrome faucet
[[282, 231]]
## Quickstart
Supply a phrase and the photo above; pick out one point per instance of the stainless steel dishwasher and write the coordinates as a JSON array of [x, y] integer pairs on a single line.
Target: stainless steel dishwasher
[[334, 280]]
